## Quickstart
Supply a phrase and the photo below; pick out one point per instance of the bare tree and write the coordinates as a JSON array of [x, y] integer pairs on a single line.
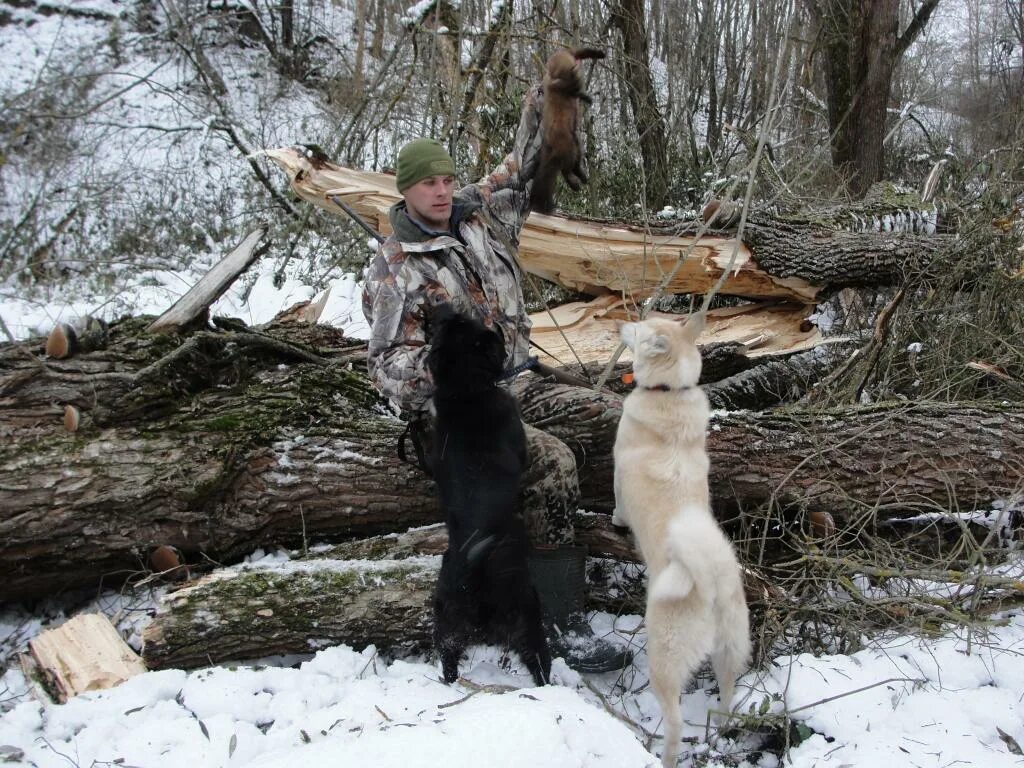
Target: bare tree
[[860, 44], [630, 17]]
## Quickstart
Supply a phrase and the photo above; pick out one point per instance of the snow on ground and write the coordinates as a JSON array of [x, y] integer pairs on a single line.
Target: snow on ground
[[254, 300], [951, 700], [943, 701], [930, 701]]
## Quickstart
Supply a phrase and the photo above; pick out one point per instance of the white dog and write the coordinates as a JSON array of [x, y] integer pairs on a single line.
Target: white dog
[[695, 602]]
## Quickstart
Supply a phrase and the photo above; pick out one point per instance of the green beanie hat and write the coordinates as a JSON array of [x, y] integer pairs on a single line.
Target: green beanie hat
[[421, 158]]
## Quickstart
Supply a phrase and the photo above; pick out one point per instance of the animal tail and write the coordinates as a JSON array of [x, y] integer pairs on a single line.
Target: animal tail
[[687, 540], [588, 53]]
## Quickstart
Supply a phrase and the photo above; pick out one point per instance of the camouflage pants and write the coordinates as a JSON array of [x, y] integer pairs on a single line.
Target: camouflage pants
[[550, 489], [569, 434]]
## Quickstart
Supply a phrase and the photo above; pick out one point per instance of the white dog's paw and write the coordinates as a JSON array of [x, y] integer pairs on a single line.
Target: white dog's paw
[[617, 520]]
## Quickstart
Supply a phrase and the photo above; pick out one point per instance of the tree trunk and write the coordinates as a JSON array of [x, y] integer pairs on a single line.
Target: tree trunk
[[898, 459], [229, 441], [774, 381], [257, 611], [794, 258], [378, 591], [861, 47], [227, 446], [371, 591], [630, 17], [825, 256]]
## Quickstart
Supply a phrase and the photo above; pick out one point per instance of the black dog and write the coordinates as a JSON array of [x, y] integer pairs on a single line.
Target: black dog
[[478, 454]]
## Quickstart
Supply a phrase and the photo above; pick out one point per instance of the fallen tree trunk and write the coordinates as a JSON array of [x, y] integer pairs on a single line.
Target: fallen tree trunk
[[793, 259], [587, 332], [374, 591], [254, 612], [224, 442], [888, 459], [378, 591], [775, 381], [233, 446]]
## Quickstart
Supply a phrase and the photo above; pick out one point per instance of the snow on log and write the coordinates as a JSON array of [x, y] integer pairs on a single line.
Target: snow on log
[[222, 442], [373, 591]]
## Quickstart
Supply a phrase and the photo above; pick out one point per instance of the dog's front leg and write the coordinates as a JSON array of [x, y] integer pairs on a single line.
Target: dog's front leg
[[619, 519]]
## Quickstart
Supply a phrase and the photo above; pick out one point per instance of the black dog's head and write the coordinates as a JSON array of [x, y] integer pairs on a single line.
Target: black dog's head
[[464, 354]]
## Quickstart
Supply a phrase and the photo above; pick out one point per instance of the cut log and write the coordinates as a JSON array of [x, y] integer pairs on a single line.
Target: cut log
[[803, 250], [197, 300], [193, 458], [298, 608], [792, 259], [890, 458], [238, 440], [375, 591], [84, 654]]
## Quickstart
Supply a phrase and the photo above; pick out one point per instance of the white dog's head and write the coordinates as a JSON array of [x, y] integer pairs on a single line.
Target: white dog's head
[[664, 351]]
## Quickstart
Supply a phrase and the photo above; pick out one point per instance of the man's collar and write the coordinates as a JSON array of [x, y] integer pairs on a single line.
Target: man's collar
[[408, 230]]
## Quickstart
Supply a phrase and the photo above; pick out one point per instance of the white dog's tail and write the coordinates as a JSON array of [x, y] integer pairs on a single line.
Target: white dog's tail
[[688, 539], [673, 583]]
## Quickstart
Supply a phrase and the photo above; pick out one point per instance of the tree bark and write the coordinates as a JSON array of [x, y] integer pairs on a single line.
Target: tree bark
[[796, 258], [263, 611], [824, 256], [861, 47], [629, 16], [229, 446], [222, 443], [774, 381], [896, 459], [375, 591]]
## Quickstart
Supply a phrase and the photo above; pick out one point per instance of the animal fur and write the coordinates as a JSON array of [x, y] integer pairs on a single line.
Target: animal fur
[[695, 602], [484, 592], [561, 151]]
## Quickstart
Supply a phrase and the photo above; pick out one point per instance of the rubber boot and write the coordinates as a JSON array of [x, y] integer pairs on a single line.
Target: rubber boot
[[559, 575]]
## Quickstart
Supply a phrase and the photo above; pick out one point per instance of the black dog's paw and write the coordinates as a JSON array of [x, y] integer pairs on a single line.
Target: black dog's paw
[[450, 669]]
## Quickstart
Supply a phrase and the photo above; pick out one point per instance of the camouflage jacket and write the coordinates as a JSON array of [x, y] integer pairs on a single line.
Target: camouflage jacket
[[475, 268]]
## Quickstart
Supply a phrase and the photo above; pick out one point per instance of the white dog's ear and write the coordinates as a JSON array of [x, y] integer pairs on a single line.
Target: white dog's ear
[[693, 327], [627, 332]]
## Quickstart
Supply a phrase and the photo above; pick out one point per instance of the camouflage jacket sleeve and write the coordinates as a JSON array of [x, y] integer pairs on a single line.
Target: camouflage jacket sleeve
[[506, 190], [397, 353]]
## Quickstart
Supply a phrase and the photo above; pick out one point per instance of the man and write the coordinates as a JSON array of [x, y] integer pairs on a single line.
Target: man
[[460, 247]]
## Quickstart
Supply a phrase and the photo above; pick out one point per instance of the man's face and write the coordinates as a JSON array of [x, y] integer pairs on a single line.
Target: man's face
[[430, 201]]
